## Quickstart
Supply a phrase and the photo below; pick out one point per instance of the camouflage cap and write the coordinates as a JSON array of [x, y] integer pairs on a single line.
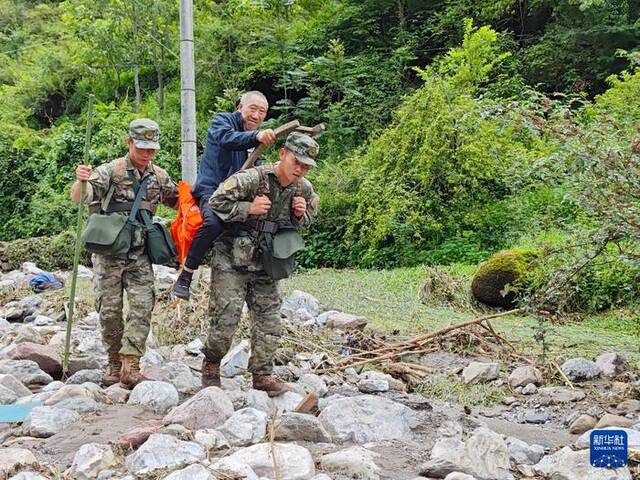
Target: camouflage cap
[[145, 133], [303, 147]]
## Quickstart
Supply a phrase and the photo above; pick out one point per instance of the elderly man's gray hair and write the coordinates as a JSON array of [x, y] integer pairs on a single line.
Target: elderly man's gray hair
[[252, 93]]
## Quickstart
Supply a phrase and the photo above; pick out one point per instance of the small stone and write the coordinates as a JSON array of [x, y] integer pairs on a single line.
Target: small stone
[[136, 437], [354, 462], [536, 417], [7, 396], [342, 321], [579, 369], [373, 386], [298, 300], [13, 458], [211, 439], [294, 462], [582, 424], [45, 422], [529, 389], [245, 427], [287, 402], [209, 408], [557, 395], [161, 452], [117, 394], [158, 397], [27, 371], [611, 364], [524, 375], [176, 373], [90, 375], [236, 361], [192, 472], [314, 384], [293, 427], [522, 453], [610, 420], [477, 372], [629, 406], [80, 405], [90, 459]]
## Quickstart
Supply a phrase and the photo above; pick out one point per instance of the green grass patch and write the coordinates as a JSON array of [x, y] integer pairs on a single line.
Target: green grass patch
[[389, 298]]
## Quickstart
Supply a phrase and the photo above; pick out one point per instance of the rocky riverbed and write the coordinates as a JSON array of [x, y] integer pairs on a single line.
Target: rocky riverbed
[[369, 424]]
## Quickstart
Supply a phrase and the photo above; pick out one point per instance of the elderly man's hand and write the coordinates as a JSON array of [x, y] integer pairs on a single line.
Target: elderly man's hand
[[267, 137], [299, 206], [83, 172], [260, 205]]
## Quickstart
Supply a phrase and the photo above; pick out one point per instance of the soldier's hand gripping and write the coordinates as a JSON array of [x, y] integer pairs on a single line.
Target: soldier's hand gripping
[[260, 205], [299, 206], [83, 172]]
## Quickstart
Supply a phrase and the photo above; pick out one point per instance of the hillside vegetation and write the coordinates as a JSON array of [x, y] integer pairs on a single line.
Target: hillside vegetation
[[455, 129]]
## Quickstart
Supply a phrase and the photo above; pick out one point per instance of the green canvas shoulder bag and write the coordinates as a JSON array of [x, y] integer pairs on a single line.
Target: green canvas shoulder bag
[[111, 234]]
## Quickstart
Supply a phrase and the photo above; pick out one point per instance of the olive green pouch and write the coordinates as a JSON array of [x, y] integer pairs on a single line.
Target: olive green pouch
[[279, 252]]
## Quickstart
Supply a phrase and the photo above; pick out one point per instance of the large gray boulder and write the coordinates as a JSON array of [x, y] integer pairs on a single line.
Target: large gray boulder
[[295, 462], [209, 408], [162, 452], [367, 418], [159, 397], [47, 421], [567, 464], [485, 456]]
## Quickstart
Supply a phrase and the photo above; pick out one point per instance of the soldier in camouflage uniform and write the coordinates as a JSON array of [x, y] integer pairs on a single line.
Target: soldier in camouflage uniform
[[125, 340], [266, 195]]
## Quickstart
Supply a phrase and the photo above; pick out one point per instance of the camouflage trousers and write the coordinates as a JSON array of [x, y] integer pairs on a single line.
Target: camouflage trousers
[[229, 291], [112, 277]]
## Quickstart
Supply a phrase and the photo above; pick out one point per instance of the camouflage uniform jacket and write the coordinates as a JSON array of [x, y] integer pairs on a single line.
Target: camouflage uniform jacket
[[160, 188], [232, 199]]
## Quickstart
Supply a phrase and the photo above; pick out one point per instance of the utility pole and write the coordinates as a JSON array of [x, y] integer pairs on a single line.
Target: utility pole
[[188, 92]]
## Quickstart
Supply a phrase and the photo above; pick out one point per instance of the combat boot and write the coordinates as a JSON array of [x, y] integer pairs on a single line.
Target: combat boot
[[130, 374], [269, 384], [112, 375], [210, 374]]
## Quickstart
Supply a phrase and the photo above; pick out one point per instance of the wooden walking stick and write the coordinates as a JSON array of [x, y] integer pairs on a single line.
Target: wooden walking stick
[[76, 254]]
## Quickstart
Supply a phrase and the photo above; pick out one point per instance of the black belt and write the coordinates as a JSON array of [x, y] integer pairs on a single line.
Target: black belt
[[126, 207], [262, 225]]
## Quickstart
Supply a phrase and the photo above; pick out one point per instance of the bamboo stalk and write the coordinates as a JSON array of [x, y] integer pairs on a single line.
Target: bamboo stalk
[[76, 253]]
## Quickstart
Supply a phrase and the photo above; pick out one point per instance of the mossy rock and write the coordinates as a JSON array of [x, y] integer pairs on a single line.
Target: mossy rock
[[48, 253], [497, 280]]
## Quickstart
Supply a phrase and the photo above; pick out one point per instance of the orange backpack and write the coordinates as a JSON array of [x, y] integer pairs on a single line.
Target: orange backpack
[[187, 222]]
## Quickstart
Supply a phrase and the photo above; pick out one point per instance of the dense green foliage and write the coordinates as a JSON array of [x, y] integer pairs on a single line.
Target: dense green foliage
[[455, 129]]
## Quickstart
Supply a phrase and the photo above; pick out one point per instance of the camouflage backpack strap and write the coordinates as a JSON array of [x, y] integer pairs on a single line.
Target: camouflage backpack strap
[[118, 169], [263, 183]]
